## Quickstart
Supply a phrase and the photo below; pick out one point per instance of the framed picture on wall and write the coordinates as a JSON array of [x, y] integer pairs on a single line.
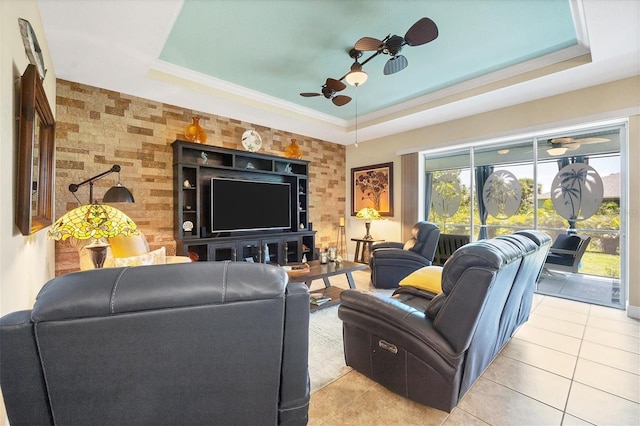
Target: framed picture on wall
[[372, 186]]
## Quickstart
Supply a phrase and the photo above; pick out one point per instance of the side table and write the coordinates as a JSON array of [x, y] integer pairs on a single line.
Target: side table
[[362, 256]]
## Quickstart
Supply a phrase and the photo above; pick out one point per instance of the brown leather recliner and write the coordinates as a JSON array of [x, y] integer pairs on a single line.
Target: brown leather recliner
[[390, 262]]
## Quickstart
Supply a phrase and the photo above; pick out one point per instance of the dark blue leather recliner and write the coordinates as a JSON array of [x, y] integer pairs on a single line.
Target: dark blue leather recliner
[[432, 349], [193, 343], [390, 262]]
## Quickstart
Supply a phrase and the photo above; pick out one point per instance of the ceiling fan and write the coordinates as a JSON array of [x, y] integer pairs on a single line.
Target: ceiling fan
[[422, 32], [329, 90], [572, 143]]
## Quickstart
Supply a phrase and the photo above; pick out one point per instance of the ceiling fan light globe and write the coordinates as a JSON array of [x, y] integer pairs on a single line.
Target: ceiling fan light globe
[[556, 151], [356, 78]]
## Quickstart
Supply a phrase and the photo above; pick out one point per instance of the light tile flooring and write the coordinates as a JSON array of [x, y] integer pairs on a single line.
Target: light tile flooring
[[572, 363]]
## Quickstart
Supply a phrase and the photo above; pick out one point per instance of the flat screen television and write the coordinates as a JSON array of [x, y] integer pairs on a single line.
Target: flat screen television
[[246, 205]]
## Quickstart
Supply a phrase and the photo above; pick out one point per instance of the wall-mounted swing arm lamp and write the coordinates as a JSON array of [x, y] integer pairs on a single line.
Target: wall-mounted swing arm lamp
[[115, 194]]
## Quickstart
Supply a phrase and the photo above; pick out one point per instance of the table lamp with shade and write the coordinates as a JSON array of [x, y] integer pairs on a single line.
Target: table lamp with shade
[[368, 214], [93, 221]]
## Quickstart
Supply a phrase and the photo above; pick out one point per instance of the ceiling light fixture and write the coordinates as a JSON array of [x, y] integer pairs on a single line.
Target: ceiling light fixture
[[503, 151], [356, 76], [560, 150]]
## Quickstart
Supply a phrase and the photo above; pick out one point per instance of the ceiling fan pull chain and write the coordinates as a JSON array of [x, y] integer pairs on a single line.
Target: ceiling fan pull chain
[[357, 115]]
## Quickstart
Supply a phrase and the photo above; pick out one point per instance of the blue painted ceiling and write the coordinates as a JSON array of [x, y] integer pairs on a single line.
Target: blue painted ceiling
[[249, 60], [281, 48]]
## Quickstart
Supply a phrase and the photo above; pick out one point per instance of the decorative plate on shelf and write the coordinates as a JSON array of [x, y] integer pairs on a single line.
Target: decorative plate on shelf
[[187, 226], [251, 141]]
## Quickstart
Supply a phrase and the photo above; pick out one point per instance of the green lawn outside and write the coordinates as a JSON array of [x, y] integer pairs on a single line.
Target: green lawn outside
[[605, 265]]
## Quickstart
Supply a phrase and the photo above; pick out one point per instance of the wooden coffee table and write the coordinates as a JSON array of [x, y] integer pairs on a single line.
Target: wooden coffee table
[[318, 270]]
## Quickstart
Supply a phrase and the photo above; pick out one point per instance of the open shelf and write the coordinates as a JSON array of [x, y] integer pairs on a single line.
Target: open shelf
[[194, 167]]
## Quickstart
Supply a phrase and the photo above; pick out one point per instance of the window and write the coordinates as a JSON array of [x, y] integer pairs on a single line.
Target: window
[[560, 182]]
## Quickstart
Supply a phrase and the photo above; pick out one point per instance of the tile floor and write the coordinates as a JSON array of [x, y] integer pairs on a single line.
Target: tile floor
[[572, 363]]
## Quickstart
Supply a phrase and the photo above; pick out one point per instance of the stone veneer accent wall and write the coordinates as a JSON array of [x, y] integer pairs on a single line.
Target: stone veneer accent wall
[[97, 128]]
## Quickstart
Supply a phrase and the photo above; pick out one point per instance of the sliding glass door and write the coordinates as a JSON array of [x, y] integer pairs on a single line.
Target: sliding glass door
[[558, 183]]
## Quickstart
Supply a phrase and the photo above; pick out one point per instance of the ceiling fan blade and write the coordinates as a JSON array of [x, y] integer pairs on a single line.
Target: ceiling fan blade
[[336, 85], [341, 100], [308, 94], [561, 140], [571, 146], [368, 43], [591, 140], [395, 64], [573, 141], [423, 31]]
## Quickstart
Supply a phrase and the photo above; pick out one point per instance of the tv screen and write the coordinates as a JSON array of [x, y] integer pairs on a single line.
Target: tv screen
[[242, 205]]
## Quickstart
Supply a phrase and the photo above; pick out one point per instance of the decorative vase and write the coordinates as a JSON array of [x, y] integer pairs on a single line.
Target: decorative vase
[[293, 150], [194, 132]]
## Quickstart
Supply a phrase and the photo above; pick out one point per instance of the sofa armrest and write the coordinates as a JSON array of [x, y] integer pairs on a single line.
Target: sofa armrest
[[386, 245], [21, 376], [295, 387], [562, 251], [398, 256], [396, 314]]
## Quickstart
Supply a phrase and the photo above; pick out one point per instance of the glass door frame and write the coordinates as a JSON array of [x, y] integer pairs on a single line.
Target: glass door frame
[[619, 125]]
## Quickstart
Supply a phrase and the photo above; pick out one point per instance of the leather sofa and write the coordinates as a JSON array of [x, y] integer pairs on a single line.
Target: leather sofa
[[198, 343], [391, 261], [432, 349]]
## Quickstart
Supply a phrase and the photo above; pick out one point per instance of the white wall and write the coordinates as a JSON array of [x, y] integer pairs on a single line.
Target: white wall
[[620, 99], [26, 263]]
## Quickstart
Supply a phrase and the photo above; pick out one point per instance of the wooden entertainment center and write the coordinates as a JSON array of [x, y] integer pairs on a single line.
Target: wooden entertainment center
[[194, 167]]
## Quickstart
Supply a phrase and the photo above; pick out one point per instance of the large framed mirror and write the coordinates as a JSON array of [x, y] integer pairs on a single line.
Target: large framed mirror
[[36, 144]]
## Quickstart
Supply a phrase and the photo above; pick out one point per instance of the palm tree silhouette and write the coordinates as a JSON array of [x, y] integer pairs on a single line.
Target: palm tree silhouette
[[572, 183], [500, 190]]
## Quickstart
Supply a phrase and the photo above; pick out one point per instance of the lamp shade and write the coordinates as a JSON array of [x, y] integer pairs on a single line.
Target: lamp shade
[[92, 221], [356, 77], [118, 194], [368, 214]]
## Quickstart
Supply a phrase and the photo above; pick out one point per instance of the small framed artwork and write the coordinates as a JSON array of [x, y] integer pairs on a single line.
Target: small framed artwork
[[372, 186]]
